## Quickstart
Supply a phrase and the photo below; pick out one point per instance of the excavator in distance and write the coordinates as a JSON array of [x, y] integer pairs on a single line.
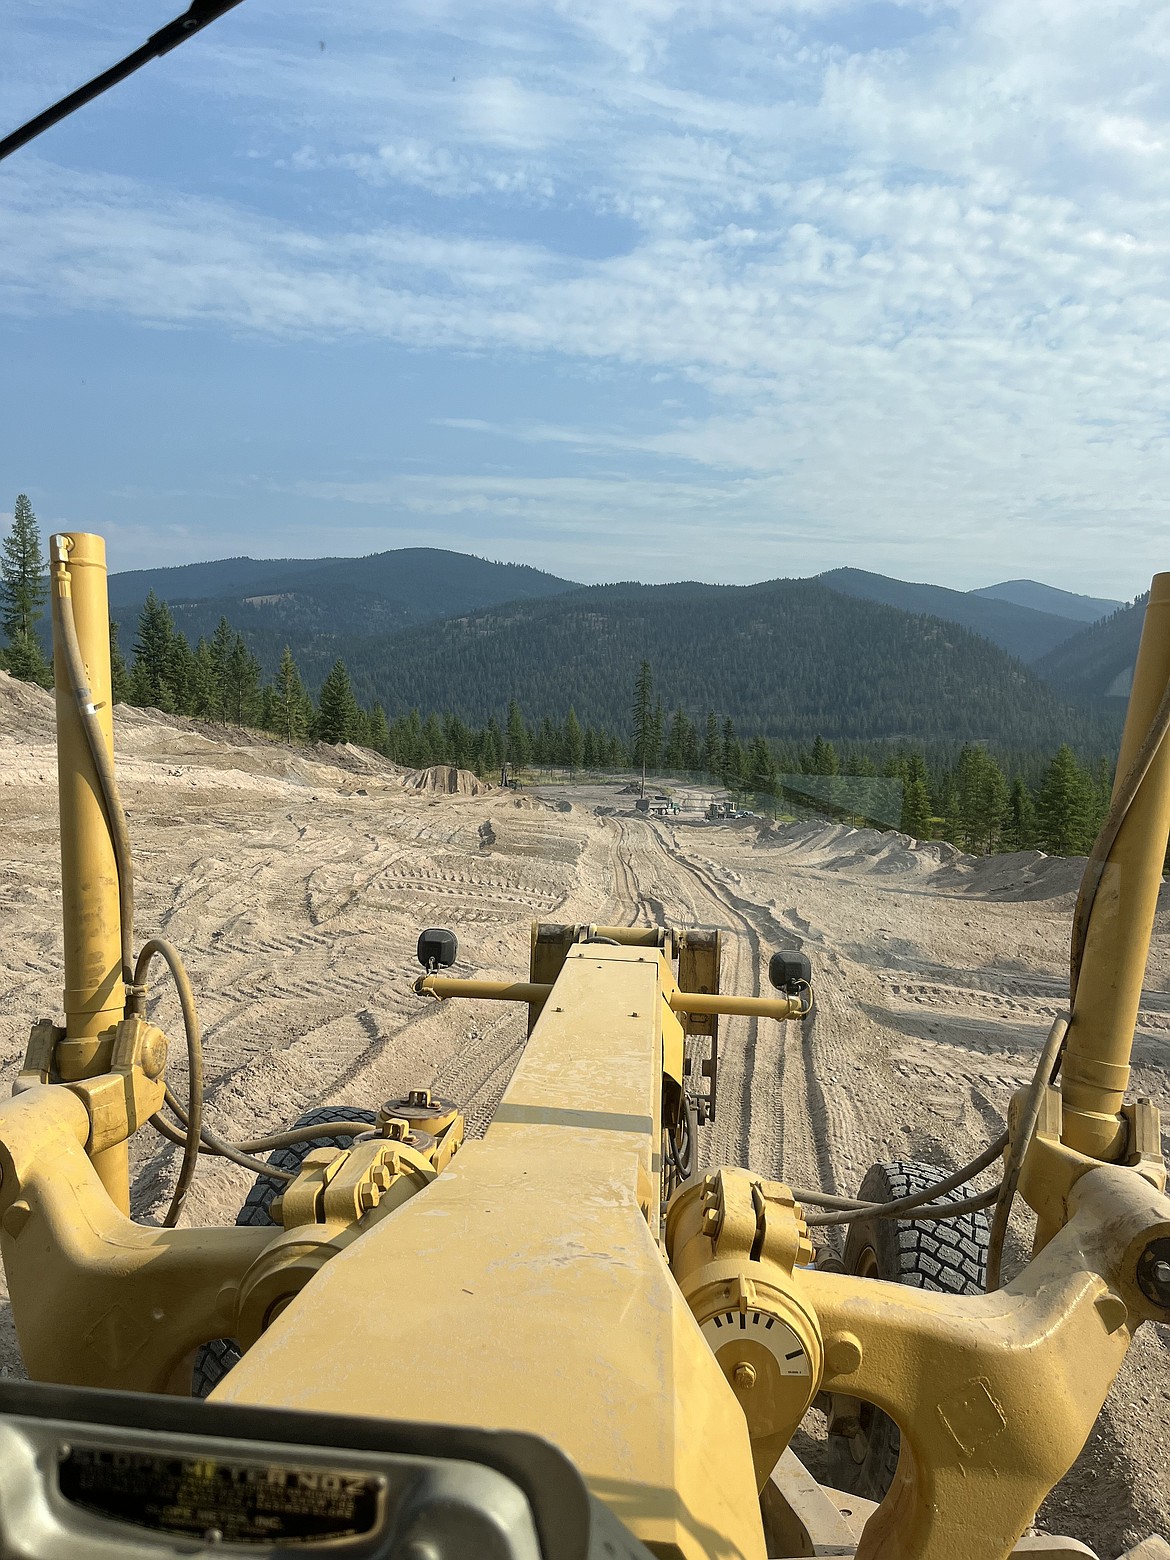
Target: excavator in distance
[[564, 1339]]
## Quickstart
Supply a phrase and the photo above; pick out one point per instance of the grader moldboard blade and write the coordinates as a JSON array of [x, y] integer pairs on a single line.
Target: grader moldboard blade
[[561, 1340]]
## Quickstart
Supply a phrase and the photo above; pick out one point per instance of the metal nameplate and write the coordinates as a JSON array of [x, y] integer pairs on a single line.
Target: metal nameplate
[[229, 1500]]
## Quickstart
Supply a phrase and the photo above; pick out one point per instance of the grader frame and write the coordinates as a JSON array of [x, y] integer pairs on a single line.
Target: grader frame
[[418, 1291]]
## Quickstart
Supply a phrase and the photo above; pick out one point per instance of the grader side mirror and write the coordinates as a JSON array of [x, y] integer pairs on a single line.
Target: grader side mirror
[[437, 948], [789, 969]]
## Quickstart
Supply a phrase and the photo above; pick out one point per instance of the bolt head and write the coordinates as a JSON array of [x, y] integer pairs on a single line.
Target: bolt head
[[744, 1376], [1153, 1272]]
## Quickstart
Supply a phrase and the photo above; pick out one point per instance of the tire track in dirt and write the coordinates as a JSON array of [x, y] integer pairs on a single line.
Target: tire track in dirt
[[772, 1110], [685, 898]]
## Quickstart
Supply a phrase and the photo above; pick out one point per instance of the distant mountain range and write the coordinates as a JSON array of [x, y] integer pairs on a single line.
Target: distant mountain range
[[1015, 626], [850, 654], [329, 596], [1046, 598], [1097, 663], [789, 658]]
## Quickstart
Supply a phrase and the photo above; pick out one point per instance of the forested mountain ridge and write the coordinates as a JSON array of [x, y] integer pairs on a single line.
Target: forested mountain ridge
[[783, 659], [493, 631], [1098, 663], [1020, 630], [281, 598], [1047, 598]]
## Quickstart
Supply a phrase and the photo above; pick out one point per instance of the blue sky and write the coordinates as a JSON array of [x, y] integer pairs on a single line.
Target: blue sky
[[620, 288]]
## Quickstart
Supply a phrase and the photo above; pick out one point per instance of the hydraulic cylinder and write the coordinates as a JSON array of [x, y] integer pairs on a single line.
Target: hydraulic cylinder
[[95, 996], [1095, 1070]]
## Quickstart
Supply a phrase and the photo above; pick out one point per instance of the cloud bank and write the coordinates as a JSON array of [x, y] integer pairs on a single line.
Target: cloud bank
[[879, 284]]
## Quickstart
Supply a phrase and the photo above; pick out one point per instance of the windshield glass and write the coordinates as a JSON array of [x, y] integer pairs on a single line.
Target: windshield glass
[[614, 465]]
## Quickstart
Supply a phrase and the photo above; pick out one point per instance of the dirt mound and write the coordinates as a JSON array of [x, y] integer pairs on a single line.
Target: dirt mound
[[445, 780], [1023, 874], [26, 711], [837, 847], [358, 760]]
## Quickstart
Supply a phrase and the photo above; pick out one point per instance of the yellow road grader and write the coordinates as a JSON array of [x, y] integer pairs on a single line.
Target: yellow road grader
[[563, 1340]]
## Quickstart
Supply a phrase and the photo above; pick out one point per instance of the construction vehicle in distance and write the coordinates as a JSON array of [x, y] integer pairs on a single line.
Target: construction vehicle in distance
[[563, 1340]]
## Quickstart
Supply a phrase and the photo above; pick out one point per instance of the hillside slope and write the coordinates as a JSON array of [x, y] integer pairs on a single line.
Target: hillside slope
[[1047, 598], [279, 598], [789, 658], [1098, 662], [1021, 631]]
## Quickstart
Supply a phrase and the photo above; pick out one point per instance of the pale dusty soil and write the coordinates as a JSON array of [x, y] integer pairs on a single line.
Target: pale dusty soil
[[295, 885]]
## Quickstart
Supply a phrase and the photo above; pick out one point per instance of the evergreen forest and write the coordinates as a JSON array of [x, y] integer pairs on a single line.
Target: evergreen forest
[[981, 796]]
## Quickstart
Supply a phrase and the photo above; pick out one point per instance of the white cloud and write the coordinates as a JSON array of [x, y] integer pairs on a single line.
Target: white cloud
[[923, 289]]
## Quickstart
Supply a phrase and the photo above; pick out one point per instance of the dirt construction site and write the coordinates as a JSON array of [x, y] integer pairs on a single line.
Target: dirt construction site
[[295, 882]]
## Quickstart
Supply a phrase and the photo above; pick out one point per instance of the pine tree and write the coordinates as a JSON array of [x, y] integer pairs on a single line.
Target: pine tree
[[491, 755], [220, 651], [712, 747], [948, 806], [574, 741], [982, 799], [760, 774], [457, 738], [25, 660], [379, 730], [682, 746], [150, 684], [657, 732], [119, 675], [337, 708], [241, 684], [519, 744], [823, 760], [203, 695], [181, 674], [548, 744], [916, 819], [22, 595], [434, 741], [290, 700], [731, 759], [1020, 831], [1063, 806], [643, 713], [22, 584]]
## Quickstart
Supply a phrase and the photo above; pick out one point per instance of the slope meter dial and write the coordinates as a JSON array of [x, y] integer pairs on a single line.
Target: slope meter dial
[[734, 1241]]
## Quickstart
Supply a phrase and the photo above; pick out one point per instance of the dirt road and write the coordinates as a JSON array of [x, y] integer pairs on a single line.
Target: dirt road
[[295, 884]]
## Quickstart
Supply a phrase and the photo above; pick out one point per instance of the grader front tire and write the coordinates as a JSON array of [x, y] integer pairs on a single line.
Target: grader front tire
[[215, 1359], [948, 1255]]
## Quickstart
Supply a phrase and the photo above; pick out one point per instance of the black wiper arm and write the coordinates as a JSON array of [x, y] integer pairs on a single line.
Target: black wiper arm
[[193, 20]]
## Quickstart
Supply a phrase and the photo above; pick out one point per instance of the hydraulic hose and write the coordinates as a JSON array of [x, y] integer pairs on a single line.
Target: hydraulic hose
[[194, 1113], [1042, 1078], [115, 813], [211, 1143], [917, 1207], [843, 1209]]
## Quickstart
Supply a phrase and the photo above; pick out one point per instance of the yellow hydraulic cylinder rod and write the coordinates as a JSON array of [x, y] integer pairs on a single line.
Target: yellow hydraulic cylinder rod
[[778, 1008], [95, 996], [444, 986], [1095, 1070]]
